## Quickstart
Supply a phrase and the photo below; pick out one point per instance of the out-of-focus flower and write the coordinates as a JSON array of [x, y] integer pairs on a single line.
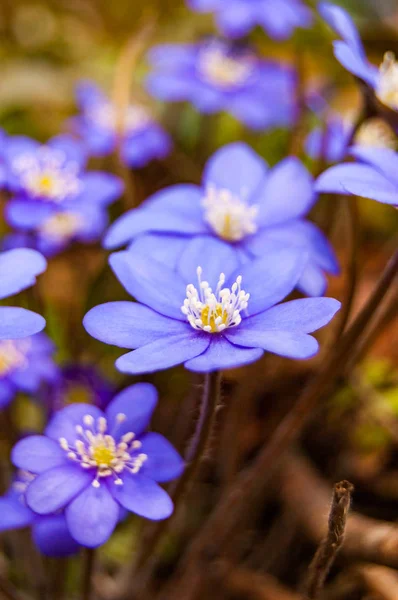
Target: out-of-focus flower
[[25, 364], [351, 54], [52, 194], [217, 76], [376, 178], [141, 139], [243, 205], [224, 321], [18, 270], [91, 463], [50, 532], [236, 18]]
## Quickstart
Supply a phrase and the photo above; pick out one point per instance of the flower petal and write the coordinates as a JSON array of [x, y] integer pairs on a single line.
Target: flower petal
[[285, 343], [64, 422], [384, 160], [236, 20], [164, 353], [150, 282], [236, 167], [25, 214], [355, 63], [221, 354], [100, 188], [342, 23], [18, 322], [312, 281], [137, 402], [92, 516], [19, 269], [54, 488], [37, 453], [164, 248], [143, 496], [14, 514], [163, 461], [214, 255], [51, 536]]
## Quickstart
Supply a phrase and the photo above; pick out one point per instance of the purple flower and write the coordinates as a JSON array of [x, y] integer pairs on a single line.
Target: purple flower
[[50, 532], [92, 463], [18, 270], [216, 76], [351, 54], [52, 194], [243, 205], [25, 364], [236, 18], [225, 319], [376, 178], [142, 140]]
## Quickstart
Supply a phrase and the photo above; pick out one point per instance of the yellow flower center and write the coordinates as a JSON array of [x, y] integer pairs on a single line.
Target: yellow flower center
[[103, 456], [214, 314], [45, 184]]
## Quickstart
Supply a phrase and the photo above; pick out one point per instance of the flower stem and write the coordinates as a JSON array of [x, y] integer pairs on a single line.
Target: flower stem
[[88, 568]]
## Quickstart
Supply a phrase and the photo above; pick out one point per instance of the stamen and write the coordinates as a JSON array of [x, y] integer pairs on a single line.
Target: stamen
[[229, 216], [222, 68], [134, 119], [387, 86], [13, 355]]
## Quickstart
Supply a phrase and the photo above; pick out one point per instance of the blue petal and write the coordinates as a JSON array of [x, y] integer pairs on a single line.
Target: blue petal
[[279, 18], [150, 282], [236, 167], [342, 23], [363, 180], [171, 87], [221, 354], [173, 56], [205, 5], [237, 19], [51, 536], [18, 145], [14, 514], [143, 496], [140, 148], [312, 281], [18, 322], [27, 214], [7, 392], [70, 147], [164, 353], [163, 461], [258, 113], [63, 423], [383, 159], [129, 324], [92, 516], [176, 209], [275, 201], [37, 453], [166, 248], [99, 188], [19, 269], [56, 487], [206, 97], [215, 257], [290, 344], [89, 94], [355, 63], [137, 402]]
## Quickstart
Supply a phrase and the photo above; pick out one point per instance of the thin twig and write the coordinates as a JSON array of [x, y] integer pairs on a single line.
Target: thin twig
[[331, 544]]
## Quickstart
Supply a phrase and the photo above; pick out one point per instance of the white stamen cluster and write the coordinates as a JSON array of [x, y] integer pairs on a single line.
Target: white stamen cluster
[[135, 118], [376, 133], [96, 449], [387, 87], [13, 355], [61, 226], [229, 216], [214, 312], [223, 69], [47, 174]]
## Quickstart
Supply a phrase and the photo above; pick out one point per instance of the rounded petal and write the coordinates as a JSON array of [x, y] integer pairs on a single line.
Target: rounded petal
[[172, 87], [290, 344], [164, 248], [27, 214], [384, 160], [7, 392], [92, 516], [163, 461], [19, 269], [37, 453], [221, 354], [150, 282], [173, 56], [312, 281], [72, 149], [355, 63], [63, 424], [143, 496], [18, 322], [54, 488], [14, 514], [236, 167], [137, 403], [51, 536], [164, 353], [212, 254], [100, 188], [342, 23], [357, 179]]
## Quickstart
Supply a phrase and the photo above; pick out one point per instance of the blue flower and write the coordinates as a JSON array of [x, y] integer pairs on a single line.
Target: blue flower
[[376, 177], [25, 364], [236, 18], [241, 204], [50, 532], [351, 54], [92, 463], [142, 141], [329, 142], [216, 76], [225, 319], [52, 195], [18, 271]]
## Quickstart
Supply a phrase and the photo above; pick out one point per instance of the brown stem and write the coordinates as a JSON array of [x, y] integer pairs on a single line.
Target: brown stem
[[88, 568]]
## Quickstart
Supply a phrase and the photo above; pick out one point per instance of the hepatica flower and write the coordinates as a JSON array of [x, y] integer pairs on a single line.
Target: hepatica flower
[[18, 271], [236, 18], [141, 138], [49, 532], [219, 317], [376, 177], [25, 364], [242, 204], [351, 54], [91, 464], [216, 76], [53, 195]]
